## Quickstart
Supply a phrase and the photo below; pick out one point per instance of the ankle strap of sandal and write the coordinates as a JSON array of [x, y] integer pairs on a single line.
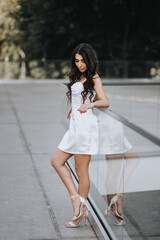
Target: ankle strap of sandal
[[83, 200], [75, 196], [120, 194]]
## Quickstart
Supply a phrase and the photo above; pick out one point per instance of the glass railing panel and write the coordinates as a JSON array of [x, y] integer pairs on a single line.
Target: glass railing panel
[[142, 189], [110, 164], [133, 172], [140, 104]]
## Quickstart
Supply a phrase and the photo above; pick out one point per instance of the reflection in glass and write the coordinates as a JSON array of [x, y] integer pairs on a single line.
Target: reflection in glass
[[121, 161]]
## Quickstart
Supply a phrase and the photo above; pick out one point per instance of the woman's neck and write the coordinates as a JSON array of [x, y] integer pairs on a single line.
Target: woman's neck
[[82, 76]]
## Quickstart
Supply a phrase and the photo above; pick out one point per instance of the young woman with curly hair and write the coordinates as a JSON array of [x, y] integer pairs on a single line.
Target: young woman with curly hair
[[85, 92]]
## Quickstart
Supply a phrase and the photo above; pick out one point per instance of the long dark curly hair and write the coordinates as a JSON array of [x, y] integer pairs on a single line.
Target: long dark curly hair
[[91, 61]]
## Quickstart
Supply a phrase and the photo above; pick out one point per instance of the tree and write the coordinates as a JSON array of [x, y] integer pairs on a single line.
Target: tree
[[9, 31], [118, 29]]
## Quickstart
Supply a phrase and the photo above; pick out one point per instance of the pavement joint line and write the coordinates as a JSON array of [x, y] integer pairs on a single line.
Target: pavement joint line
[[43, 239], [39, 123], [78, 237], [8, 154], [70, 238], [49, 207]]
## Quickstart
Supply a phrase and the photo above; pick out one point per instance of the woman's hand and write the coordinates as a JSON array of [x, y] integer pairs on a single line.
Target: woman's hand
[[69, 113], [84, 107]]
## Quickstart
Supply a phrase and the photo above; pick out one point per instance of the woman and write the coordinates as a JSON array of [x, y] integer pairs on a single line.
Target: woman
[[81, 140]]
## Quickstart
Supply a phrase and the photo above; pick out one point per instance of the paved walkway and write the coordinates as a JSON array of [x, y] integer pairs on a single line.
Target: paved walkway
[[34, 204]]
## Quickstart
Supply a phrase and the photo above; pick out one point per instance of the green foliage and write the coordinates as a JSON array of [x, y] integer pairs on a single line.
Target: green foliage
[[118, 29], [9, 31]]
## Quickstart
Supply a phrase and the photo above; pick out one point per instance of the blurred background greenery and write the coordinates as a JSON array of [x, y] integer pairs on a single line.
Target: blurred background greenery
[[37, 37]]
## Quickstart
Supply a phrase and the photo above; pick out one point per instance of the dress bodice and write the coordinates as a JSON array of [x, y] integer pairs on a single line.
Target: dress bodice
[[77, 99]]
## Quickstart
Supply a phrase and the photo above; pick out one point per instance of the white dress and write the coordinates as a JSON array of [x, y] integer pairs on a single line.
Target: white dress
[[83, 133]]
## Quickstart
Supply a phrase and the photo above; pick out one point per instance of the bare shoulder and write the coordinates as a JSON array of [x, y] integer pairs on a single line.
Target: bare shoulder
[[96, 76], [96, 79]]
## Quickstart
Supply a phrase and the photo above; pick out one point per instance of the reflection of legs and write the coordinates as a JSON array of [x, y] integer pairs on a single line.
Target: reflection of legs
[[58, 162], [81, 167], [114, 163], [131, 162]]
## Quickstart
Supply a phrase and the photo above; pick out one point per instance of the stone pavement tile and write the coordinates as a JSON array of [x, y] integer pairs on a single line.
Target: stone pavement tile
[[81, 238], [34, 202], [142, 209], [6, 113], [3, 95], [153, 238], [11, 139], [43, 138], [36, 113], [23, 210], [85, 238], [36, 93], [39, 114], [135, 238]]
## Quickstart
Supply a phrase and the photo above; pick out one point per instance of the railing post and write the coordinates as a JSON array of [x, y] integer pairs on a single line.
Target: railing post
[[44, 66], [6, 75], [23, 65]]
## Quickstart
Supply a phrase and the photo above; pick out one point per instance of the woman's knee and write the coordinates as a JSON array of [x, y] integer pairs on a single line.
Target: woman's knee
[[77, 171], [54, 162]]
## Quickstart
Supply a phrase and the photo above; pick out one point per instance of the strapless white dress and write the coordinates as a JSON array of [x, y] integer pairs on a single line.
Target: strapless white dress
[[83, 133]]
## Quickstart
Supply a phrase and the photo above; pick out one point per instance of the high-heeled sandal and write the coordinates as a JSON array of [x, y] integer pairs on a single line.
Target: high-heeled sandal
[[113, 203], [83, 212], [117, 221]]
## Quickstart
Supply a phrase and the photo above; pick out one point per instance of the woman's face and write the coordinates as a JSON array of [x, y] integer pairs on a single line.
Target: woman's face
[[80, 63]]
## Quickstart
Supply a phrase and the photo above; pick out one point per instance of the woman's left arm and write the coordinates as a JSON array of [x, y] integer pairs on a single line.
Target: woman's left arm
[[101, 98]]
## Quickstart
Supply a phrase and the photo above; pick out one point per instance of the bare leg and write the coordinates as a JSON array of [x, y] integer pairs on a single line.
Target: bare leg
[[81, 167], [58, 162]]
